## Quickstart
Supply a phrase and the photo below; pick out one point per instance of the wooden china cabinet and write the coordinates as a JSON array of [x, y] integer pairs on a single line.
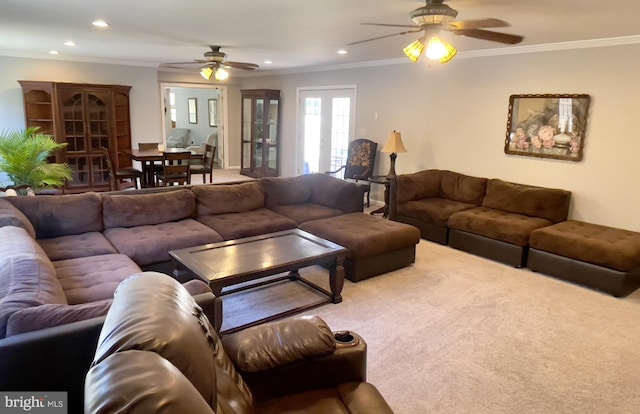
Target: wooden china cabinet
[[260, 133], [86, 117]]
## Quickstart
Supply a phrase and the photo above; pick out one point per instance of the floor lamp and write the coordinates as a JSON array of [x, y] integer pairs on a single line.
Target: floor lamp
[[393, 146]]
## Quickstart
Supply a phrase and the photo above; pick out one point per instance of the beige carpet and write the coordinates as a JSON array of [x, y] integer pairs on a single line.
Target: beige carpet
[[456, 333]]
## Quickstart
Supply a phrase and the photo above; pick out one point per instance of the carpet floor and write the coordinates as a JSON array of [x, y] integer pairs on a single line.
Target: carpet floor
[[456, 333]]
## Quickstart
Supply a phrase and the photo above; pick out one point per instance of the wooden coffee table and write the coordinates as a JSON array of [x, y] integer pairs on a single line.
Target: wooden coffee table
[[249, 259]]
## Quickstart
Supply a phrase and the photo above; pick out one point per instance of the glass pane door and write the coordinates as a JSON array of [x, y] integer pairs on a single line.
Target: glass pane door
[[327, 127]]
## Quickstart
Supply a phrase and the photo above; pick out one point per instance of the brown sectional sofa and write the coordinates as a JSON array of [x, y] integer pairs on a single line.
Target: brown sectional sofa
[[487, 217], [61, 257]]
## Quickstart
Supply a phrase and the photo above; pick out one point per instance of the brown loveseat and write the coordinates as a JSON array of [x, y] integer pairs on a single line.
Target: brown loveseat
[[157, 352], [487, 217]]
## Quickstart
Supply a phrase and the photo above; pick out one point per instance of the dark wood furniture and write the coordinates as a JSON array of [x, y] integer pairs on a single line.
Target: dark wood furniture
[[384, 180], [86, 117], [148, 157], [175, 168], [121, 178], [361, 159], [233, 262], [260, 133], [206, 166]]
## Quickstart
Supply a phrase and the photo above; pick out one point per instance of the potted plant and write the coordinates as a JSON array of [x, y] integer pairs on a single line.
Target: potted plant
[[24, 158]]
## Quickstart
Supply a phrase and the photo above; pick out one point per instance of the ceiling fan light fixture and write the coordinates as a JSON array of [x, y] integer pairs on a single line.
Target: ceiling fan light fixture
[[414, 50], [436, 48], [451, 52], [434, 12], [206, 72], [221, 74]]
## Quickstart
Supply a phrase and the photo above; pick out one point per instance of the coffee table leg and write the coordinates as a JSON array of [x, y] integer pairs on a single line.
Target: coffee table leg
[[336, 279], [217, 307]]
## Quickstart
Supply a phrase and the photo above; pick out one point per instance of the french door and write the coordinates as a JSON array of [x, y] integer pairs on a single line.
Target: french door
[[327, 124]]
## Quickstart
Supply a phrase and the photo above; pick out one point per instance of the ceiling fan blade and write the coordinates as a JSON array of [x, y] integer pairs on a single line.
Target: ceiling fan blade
[[382, 37], [490, 35], [241, 65], [198, 61], [389, 25], [167, 66], [476, 24]]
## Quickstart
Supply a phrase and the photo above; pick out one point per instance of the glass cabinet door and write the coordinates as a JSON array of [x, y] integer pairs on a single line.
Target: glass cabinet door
[[247, 123], [260, 136]]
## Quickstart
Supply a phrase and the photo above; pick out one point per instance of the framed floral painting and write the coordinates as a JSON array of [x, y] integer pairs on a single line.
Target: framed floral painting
[[547, 126]]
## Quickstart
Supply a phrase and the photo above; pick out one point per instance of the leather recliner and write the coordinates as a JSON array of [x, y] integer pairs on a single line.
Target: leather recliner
[[158, 352]]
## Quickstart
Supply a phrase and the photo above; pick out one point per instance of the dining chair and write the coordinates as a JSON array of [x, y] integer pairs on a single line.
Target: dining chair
[[206, 166], [121, 178], [175, 168]]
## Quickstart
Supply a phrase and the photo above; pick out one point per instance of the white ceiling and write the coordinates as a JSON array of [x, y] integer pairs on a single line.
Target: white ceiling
[[294, 34]]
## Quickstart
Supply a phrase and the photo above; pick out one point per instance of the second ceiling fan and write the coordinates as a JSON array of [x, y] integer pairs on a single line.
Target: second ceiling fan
[[214, 64], [436, 16]]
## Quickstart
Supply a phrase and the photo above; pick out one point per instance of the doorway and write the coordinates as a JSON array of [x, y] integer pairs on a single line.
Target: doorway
[[202, 110], [326, 119]]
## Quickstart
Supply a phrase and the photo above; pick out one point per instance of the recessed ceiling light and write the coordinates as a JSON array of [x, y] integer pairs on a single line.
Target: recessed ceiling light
[[53, 52], [70, 43], [342, 52], [267, 62], [100, 23]]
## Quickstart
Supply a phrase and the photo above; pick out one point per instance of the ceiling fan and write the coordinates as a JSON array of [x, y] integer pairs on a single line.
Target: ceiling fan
[[214, 64], [436, 16]]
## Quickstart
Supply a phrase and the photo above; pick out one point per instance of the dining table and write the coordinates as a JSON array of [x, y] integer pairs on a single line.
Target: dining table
[[148, 157]]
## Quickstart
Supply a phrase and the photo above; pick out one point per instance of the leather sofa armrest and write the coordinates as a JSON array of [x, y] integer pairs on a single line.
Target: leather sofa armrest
[[346, 364], [51, 359], [294, 355], [206, 302]]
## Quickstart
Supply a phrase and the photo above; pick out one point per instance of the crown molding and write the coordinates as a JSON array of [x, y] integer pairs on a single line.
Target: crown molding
[[472, 54]]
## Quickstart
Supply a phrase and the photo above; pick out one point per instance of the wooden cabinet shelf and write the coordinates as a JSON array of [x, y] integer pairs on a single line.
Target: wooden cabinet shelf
[[260, 133], [86, 117]]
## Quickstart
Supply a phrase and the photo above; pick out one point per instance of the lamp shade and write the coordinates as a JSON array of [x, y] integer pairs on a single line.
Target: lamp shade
[[394, 143]]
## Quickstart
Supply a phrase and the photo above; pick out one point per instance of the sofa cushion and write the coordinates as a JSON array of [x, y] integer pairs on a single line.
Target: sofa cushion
[[306, 212], [11, 216], [94, 278], [27, 276], [609, 247], [434, 211], [228, 198], [364, 235], [60, 215], [332, 192], [76, 245], [130, 210], [280, 191], [497, 224], [463, 188], [49, 315], [249, 223], [417, 186], [151, 244], [549, 203]]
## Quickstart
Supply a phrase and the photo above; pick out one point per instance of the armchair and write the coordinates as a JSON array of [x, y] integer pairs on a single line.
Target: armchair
[[178, 138], [361, 158], [158, 350]]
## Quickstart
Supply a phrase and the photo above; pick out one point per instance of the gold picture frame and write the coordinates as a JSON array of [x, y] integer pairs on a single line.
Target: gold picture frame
[[547, 126]]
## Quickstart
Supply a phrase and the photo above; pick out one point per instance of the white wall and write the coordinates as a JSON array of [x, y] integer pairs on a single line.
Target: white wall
[[451, 116], [454, 117]]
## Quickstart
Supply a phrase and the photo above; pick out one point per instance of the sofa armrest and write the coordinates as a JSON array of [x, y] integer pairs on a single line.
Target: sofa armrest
[[294, 355], [51, 359]]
